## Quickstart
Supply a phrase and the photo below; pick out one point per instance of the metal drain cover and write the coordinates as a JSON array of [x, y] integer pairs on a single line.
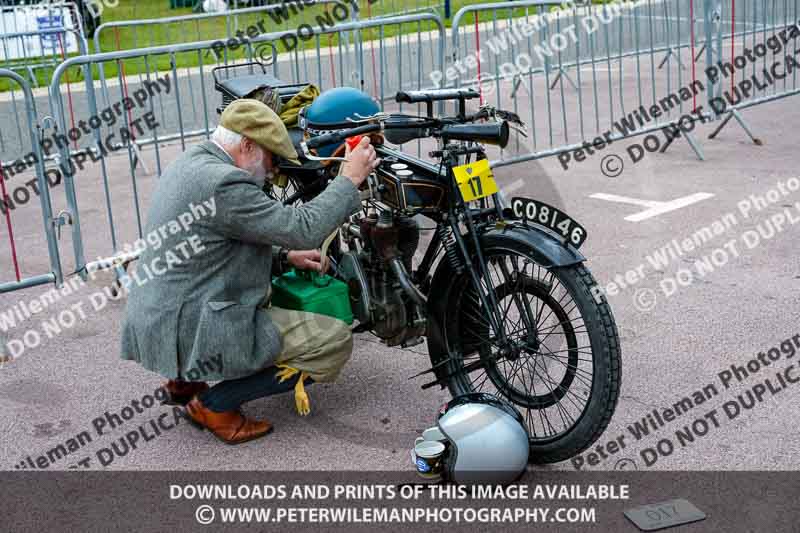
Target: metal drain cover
[[662, 515]]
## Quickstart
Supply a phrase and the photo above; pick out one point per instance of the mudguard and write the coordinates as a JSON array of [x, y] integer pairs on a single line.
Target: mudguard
[[543, 247], [546, 250]]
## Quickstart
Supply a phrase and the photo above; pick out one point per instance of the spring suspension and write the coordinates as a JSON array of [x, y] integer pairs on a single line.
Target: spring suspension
[[448, 241]]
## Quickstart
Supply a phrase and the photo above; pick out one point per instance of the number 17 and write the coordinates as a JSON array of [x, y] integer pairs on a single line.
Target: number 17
[[472, 186]]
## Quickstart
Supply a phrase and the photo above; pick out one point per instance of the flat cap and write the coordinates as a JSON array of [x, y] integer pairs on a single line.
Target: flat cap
[[256, 121]]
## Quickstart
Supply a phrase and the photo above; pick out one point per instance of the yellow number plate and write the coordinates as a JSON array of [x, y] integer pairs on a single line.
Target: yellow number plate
[[475, 180]]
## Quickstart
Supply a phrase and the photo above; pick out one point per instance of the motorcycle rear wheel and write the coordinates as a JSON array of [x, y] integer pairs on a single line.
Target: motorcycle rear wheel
[[545, 381]]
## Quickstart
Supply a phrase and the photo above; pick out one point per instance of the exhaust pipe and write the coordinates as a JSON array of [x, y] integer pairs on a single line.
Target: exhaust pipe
[[410, 289]]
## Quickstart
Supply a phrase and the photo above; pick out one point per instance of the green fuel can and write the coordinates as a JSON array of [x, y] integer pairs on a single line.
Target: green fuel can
[[310, 291]]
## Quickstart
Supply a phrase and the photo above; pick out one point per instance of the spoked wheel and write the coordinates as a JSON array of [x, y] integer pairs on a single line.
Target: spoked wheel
[[283, 193], [557, 360]]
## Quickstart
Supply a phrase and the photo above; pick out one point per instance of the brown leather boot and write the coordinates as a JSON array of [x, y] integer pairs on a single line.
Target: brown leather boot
[[180, 392], [231, 427]]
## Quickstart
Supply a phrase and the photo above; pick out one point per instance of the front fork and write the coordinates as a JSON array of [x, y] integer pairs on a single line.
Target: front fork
[[489, 298]]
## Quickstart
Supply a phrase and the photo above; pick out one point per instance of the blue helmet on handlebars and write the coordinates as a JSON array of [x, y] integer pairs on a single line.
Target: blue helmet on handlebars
[[330, 111]]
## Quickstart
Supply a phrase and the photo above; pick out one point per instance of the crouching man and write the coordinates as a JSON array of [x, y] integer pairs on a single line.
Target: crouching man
[[205, 316]]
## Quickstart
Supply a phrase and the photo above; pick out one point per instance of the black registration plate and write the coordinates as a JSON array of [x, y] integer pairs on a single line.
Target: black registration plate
[[550, 217]]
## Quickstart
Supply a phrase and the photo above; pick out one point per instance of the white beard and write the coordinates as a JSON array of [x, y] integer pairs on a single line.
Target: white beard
[[256, 168]]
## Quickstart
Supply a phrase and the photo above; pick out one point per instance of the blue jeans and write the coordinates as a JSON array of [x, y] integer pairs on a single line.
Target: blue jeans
[[230, 395]]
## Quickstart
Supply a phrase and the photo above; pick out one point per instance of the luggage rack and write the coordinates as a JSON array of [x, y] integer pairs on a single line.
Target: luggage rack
[[235, 87]]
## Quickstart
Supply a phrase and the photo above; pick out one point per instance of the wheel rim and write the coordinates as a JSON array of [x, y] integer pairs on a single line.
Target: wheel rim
[[549, 382]]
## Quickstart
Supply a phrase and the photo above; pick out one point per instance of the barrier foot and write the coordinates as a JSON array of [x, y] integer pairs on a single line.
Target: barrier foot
[[700, 53], [34, 81], [735, 114], [746, 128], [695, 146], [671, 52], [517, 83], [139, 159], [692, 142], [562, 72]]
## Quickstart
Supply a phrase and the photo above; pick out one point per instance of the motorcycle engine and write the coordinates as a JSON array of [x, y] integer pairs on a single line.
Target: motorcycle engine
[[394, 317]]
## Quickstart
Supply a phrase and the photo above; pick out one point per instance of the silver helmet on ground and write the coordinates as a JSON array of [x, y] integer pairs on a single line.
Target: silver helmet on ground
[[487, 440]]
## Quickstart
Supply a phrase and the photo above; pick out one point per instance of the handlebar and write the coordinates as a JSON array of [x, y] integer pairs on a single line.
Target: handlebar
[[435, 95], [398, 131], [341, 135]]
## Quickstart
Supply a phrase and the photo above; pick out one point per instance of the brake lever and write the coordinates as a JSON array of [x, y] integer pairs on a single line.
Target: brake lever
[[508, 116], [308, 155], [352, 142]]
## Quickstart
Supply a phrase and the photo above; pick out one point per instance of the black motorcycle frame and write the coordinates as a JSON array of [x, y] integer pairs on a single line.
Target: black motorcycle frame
[[482, 223]]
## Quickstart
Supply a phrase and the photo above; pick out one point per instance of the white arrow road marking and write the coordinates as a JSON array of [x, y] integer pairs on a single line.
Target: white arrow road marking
[[654, 208]]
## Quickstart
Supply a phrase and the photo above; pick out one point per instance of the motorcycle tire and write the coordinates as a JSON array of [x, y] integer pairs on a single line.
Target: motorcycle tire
[[463, 324]]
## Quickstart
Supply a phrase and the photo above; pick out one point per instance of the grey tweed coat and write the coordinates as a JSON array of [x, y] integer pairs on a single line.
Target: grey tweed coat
[[210, 302]]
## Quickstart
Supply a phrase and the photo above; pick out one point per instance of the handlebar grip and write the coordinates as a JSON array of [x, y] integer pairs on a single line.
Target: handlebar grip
[[493, 133]]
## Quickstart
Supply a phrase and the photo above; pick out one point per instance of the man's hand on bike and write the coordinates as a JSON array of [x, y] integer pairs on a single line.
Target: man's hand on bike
[[362, 160]]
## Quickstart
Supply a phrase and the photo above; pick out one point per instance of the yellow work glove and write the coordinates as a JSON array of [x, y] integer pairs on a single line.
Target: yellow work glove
[[301, 399]]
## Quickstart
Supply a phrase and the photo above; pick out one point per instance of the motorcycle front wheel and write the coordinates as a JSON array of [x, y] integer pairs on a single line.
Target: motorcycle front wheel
[[282, 194], [558, 361]]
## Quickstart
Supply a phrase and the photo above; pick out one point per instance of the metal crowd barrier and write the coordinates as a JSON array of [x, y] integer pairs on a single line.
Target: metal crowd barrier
[[15, 195], [734, 27], [54, 48], [351, 53], [405, 7], [11, 137], [21, 39], [570, 81], [146, 33], [150, 33], [592, 66], [572, 76], [34, 51], [378, 56], [187, 27], [16, 13]]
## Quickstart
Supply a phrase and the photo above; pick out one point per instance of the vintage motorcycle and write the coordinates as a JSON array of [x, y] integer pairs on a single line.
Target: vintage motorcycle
[[501, 292]]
